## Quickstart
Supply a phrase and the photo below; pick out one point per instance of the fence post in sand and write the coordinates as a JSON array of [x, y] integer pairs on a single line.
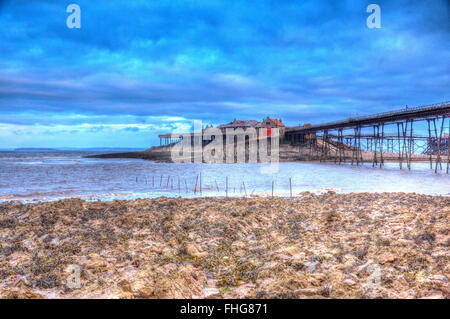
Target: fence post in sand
[[226, 187], [160, 182], [245, 189], [185, 184], [200, 183], [290, 185], [195, 188], [217, 186], [272, 188]]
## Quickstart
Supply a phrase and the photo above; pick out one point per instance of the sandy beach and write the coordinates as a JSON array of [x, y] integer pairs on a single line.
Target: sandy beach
[[360, 245]]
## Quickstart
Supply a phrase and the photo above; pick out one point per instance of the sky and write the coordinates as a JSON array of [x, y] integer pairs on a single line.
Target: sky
[[139, 68]]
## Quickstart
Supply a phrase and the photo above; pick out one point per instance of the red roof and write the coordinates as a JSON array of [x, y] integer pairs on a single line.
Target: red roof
[[277, 122]]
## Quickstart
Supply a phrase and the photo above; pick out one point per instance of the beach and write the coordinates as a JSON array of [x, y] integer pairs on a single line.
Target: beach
[[355, 245]]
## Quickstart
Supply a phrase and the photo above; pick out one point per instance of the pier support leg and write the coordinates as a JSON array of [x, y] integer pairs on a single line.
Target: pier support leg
[[399, 145], [430, 144], [381, 146], [438, 159], [448, 145]]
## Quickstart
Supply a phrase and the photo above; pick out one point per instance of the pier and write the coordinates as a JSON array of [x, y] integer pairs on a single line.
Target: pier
[[410, 135]]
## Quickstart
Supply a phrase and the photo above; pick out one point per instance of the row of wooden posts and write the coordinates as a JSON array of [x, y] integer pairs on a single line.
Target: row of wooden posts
[[198, 182]]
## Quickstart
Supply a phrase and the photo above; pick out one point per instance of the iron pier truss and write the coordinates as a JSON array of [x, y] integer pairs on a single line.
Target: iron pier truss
[[419, 134]]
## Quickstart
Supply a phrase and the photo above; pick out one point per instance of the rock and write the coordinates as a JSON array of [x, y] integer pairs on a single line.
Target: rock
[[291, 251], [145, 293], [240, 253], [436, 295], [20, 294], [126, 295], [307, 292], [349, 282], [210, 292], [363, 267], [440, 278], [311, 267], [125, 285], [174, 242], [96, 263], [192, 250], [387, 258], [372, 294]]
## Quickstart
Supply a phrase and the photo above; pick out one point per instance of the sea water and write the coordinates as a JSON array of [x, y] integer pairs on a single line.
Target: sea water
[[51, 175]]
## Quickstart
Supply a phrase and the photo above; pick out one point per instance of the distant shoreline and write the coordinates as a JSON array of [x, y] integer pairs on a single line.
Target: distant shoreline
[[68, 149]]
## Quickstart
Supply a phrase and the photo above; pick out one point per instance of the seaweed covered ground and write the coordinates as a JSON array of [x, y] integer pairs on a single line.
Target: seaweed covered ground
[[389, 245]]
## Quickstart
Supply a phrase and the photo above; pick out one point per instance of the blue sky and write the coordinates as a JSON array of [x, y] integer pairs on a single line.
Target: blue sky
[[143, 67]]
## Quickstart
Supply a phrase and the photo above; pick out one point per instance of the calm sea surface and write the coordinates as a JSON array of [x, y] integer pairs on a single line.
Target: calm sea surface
[[34, 176]]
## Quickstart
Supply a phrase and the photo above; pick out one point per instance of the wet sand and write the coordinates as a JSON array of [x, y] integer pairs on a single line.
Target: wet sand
[[360, 245]]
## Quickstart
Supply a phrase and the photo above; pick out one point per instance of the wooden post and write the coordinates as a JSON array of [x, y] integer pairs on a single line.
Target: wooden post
[[200, 183], [290, 185], [226, 187], [195, 188], [217, 186], [272, 188]]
